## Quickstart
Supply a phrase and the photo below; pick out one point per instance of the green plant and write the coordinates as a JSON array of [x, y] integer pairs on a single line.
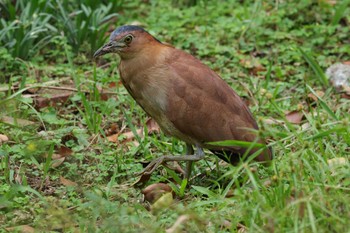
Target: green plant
[[88, 24], [27, 29]]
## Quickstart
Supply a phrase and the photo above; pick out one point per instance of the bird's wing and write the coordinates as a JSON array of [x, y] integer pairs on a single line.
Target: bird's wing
[[202, 105]]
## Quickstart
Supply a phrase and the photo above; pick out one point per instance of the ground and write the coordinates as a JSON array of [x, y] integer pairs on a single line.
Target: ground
[[72, 138]]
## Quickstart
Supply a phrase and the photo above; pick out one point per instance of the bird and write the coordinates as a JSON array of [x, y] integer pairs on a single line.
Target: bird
[[187, 99]]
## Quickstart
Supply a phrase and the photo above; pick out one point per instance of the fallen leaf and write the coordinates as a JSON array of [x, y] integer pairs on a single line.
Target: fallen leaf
[[305, 126], [16, 121], [112, 84], [113, 138], [253, 65], [3, 138], [336, 162], [129, 136], [226, 224], [294, 117], [142, 180], [152, 126], [162, 203], [241, 228], [313, 98], [176, 227], [175, 166], [154, 191], [57, 162], [345, 96], [113, 128], [64, 151], [67, 182], [21, 228], [42, 102], [55, 156], [272, 121]]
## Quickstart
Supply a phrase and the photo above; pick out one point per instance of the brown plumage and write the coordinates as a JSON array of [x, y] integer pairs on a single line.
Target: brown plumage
[[187, 99]]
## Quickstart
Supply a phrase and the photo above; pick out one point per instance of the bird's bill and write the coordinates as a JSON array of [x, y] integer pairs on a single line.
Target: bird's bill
[[110, 47]]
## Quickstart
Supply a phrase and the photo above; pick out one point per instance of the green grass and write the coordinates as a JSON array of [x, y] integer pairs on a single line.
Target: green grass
[[273, 53]]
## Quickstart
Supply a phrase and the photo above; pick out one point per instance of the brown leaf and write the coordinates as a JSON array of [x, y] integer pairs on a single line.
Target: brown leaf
[[345, 96], [313, 98], [152, 126], [272, 121], [336, 162], [112, 84], [57, 162], [241, 228], [16, 121], [294, 117], [163, 202], [154, 191], [67, 182], [112, 128], [175, 167], [179, 223], [3, 138], [64, 151], [21, 228], [253, 65], [41, 102], [142, 180], [128, 136], [113, 138]]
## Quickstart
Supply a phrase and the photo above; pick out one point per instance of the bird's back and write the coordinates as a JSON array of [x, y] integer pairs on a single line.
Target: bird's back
[[203, 106]]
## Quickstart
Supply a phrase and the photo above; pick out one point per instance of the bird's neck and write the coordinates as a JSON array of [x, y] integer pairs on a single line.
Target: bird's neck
[[133, 66]]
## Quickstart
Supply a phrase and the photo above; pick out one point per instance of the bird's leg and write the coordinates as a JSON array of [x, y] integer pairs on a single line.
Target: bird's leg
[[189, 158], [189, 151]]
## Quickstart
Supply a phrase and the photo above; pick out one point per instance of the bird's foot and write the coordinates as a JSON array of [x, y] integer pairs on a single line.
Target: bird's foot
[[189, 158], [151, 166]]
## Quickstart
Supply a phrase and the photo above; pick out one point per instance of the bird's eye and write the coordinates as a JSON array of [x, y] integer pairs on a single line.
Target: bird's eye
[[128, 39]]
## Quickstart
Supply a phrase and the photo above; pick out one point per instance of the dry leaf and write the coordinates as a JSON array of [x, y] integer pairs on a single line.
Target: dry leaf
[[67, 182], [64, 151], [226, 224], [16, 121], [253, 65], [294, 117], [113, 138], [152, 126], [154, 191], [57, 162], [42, 102], [272, 121], [241, 228], [163, 202], [3, 138], [313, 98], [22, 229], [336, 162], [142, 180], [178, 224], [345, 96], [305, 126]]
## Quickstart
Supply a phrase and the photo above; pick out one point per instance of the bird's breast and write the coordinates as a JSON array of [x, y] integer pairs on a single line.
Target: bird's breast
[[150, 88]]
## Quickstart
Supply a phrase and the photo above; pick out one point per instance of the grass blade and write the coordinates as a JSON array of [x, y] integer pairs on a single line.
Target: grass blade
[[315, 67]]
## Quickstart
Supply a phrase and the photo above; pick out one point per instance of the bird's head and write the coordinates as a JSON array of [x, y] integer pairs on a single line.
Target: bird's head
[[127, 41]]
